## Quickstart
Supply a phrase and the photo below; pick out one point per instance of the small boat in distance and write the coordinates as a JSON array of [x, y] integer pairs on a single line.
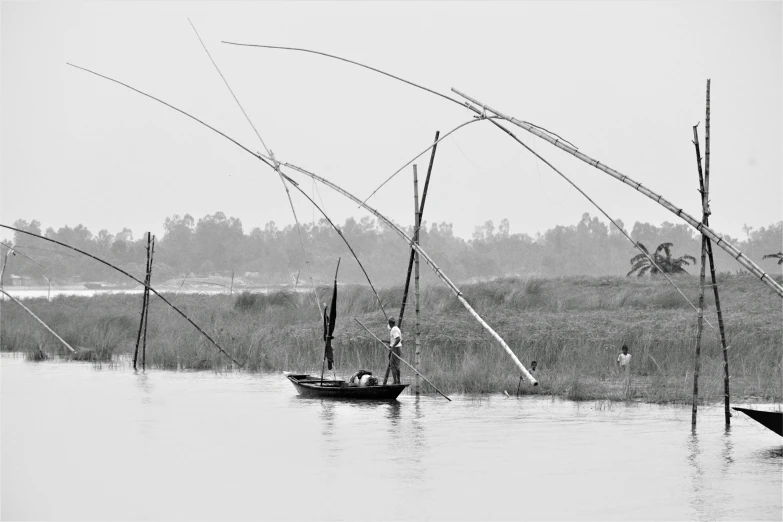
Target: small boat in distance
[[312, 386], [770, 419]]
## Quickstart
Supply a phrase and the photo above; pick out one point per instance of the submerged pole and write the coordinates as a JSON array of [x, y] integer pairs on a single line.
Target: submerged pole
[[417, 329], [704, 189], [706, 196], [699, 327], [147, 306], [143, 302]]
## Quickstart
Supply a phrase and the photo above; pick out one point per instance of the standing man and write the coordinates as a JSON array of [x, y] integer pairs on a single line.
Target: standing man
[[624, 363], [395, 343]]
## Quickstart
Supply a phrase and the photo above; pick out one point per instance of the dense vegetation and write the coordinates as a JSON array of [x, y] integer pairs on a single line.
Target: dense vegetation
[[217, 244], [572, 326]]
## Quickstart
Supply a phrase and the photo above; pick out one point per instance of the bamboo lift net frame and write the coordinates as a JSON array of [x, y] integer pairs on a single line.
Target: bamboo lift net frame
[[276, 164], [568, 147]]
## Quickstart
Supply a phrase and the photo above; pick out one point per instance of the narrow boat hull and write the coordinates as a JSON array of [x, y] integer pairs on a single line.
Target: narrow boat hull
[[313, 387], [771, 419]]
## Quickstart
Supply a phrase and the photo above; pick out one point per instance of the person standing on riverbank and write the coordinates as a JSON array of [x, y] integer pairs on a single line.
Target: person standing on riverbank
[[533, 366], [395, 343], [624, 364]]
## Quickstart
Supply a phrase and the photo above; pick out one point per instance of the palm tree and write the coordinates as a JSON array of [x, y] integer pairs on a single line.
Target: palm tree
[[663, 259], [778, 256]]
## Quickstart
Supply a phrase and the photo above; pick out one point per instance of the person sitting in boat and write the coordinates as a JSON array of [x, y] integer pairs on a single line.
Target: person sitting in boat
[[362, 378], [395, 343]]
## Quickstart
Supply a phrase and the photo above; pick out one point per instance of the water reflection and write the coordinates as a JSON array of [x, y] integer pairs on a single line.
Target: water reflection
[[393, 414], [410, 459]]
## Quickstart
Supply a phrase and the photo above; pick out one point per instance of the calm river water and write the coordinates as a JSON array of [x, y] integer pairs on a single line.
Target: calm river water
[[82, 443]]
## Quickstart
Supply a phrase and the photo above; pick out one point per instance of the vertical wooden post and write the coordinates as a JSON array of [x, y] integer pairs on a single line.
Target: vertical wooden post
[[699, 328], [143, 307], [411, 258], [417, 221], [704, 189], [726, 394], [147, 306], [421, 212]]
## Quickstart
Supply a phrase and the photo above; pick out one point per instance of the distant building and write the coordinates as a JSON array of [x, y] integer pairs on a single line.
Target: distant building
[[21, 280]]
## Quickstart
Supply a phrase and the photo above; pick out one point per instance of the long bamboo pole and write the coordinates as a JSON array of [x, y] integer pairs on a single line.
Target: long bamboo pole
[[706, 196], [400, 358], [438, 272], [12, 298], [143, 301], [277, 169], [421, 212], [699, 326], [417, 330], [698, 225], [276, 166], [147, 307], [120, 270], [342, 236]]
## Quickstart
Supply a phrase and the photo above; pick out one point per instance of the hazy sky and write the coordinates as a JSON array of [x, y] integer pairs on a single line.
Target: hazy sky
[[625, 82]]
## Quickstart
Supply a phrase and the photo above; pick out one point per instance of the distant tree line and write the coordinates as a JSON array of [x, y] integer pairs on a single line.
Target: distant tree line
[[217, 244]]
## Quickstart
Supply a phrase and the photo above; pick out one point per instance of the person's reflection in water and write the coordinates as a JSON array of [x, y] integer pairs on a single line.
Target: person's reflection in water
[[393, 414]]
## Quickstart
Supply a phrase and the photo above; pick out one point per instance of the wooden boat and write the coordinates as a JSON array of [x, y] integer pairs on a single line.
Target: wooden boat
[[312, 386], [771, 419]]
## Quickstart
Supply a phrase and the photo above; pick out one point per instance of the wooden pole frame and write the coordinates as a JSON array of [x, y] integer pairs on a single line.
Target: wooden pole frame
[[705, 191], [438, 272]]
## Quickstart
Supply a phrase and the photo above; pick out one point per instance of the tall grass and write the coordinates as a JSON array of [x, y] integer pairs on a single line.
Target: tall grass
[[573, 327]]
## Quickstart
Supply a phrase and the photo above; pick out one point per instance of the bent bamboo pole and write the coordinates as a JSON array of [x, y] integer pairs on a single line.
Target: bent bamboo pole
[[695, 223], [429, 261], [120, 270], [12, 298], [277, 167], [400, 358]]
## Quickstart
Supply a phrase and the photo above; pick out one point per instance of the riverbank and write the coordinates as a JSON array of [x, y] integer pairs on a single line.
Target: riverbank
[[573, 328]]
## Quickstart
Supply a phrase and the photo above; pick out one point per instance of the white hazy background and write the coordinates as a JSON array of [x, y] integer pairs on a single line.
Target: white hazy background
[[625, 82]]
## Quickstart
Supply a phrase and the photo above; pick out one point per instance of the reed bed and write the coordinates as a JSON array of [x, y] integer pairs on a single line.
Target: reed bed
[[573, 327]]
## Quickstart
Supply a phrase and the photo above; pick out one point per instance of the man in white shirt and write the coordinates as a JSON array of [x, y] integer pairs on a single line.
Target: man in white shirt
[[624, 363], [624, 359], [395, 343]]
